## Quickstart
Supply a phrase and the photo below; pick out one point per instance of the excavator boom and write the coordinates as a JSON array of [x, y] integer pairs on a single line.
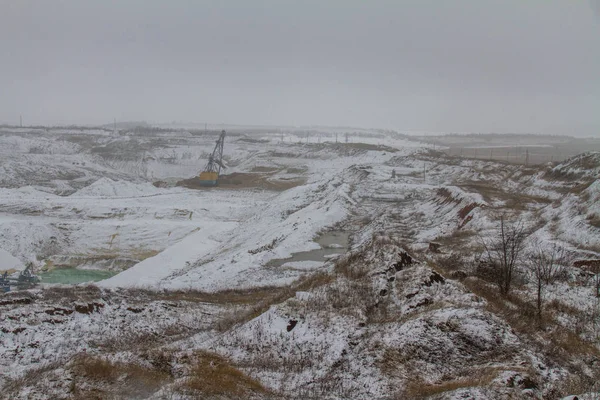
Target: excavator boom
[[210, 175]]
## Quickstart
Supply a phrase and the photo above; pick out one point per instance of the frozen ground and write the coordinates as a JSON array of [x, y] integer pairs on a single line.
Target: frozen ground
[[234, 281]]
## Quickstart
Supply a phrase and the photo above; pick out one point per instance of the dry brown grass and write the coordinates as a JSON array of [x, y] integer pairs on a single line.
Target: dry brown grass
[[560, 307], [420, 390], [463, 212], [95, 368], [73, 294], [261, 303], [579, 188], [12, 387], [212, 375], [544, 332], [349, 266], [594, 220], [522, 317], [513, 201], [101, 369], [568, 344], [579, 384], [520, 314], [97, 377], [462, 238]]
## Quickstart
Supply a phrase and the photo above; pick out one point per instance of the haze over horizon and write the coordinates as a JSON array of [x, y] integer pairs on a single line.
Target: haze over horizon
[[410, 65]]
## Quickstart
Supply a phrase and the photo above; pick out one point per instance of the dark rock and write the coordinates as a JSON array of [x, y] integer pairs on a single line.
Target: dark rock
[[16, 301], [58, 311], [53, 321], [434, 247], [291, 324], [405, 261], [424, 302], [88, 308], [528, 383], [383, 292], [433, 278]]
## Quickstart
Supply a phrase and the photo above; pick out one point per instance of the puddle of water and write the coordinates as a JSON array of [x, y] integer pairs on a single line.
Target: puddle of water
[[332, 244], [74, 276]]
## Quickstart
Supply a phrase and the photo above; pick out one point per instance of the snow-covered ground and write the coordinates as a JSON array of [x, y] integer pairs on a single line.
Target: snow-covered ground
[[214, 270]]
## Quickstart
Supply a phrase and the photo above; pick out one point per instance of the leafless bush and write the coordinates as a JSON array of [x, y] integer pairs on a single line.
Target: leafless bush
[[503, 251], [546, 266]]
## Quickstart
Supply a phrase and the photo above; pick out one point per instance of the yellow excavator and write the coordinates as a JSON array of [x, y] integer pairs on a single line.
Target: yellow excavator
[[210, 175]]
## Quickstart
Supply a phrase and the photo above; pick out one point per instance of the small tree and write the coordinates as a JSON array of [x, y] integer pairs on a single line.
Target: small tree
[[503, 251], [546, 265]]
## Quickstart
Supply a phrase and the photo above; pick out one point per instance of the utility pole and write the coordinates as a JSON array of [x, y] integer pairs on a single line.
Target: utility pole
[[21, 121]]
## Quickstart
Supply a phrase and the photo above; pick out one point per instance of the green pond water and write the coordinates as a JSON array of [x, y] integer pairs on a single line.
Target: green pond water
[[74, 276]]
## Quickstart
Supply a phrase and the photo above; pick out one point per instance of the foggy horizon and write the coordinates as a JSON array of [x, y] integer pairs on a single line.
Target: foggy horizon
[[423, 66]]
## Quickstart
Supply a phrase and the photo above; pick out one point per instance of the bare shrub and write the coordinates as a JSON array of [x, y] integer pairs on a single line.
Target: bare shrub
[[503, 251], [546, 266], [576, 385]]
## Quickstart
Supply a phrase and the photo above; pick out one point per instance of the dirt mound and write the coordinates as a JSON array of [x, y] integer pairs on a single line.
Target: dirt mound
[[239, 180], [583, 165]]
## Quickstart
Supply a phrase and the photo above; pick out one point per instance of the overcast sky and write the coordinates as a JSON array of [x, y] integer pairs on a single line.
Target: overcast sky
[[429, 65]]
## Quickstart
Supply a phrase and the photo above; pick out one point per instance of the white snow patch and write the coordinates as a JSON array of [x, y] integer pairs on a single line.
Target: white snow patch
[[8, 262]]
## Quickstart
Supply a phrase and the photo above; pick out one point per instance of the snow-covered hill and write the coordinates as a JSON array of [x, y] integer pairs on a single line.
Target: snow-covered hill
[[251, 291]]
